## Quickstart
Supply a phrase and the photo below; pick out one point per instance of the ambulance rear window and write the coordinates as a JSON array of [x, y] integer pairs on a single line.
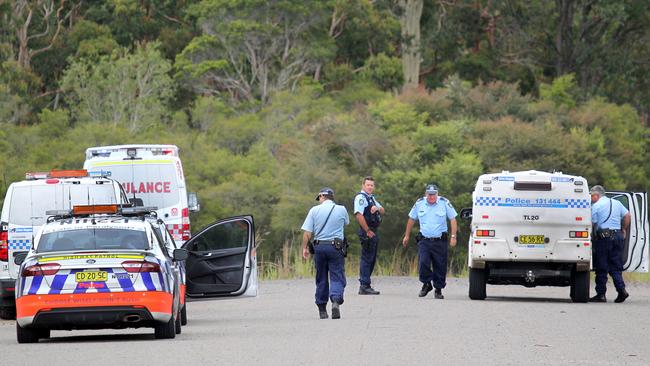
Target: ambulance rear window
[[532, 186], [89, 239]]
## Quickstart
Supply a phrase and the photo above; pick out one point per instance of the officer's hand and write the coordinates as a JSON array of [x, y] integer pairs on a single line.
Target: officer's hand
[[452, 242], [305, 253], [624, 234], [405, 241], [370, 233], [374, 209]]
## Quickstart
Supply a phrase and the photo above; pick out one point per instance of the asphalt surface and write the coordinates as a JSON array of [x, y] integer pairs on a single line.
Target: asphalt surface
[[515, 325]]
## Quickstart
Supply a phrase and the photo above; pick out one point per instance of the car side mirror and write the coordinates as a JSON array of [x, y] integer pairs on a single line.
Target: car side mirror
[[180, 254], [193, 204], [466, 213], [19, 258], [136, 202]]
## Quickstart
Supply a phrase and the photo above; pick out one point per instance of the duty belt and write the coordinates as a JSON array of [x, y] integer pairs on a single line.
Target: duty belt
[[328, 242]]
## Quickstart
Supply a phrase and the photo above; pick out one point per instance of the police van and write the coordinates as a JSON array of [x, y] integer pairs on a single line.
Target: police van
[[533, 228], [152, 173], [24, 212]]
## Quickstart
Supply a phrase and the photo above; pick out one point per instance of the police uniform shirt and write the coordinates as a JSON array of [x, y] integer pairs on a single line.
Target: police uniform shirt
[[360, 202], [600, 211], [432, 217], [334, 227]]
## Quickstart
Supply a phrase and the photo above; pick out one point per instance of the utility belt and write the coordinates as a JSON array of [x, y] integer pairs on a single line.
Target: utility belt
[[339, 244], [419, 237], [604, 234]]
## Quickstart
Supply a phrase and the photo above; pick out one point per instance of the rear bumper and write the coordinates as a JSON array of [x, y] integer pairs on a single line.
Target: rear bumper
[[7, 292], [94, 311], [530, 274]]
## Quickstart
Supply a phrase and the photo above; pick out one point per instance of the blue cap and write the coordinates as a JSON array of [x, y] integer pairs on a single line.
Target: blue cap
[[432, 189], [325, 191]]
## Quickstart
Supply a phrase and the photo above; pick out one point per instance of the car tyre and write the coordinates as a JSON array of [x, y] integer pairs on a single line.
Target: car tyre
[[184, 314], [580, 286], [177, 325], [8, 312], [26, 335], [477, 283], [166, 330]]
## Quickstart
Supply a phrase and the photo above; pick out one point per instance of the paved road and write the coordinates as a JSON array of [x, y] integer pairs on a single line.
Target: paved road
[[514, 325]]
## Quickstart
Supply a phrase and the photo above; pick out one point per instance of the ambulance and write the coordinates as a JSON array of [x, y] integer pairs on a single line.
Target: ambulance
[[152, 174], [533, 228], [24, 212]]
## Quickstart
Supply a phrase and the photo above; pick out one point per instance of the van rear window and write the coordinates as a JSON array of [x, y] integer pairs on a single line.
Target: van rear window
[[532, 186], [87, 239], [29, 203]]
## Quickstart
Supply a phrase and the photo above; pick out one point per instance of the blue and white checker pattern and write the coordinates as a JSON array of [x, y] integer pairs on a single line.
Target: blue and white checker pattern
[[20, 244], [577, 203], [488, 201]]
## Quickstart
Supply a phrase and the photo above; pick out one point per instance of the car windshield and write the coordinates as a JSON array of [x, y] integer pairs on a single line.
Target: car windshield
[[92, 239]]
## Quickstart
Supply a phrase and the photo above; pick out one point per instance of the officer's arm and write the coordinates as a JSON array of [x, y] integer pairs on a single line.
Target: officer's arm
[[407, 234], [454, 227], [306, 235], [626, 224], [362, 221]]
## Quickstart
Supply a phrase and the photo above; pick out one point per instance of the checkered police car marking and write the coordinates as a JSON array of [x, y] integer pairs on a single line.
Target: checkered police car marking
[[20, 244], [540, 202]]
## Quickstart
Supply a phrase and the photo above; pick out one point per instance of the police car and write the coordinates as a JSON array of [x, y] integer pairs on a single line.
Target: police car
[[533, 228], [111, 267], [23, 213]]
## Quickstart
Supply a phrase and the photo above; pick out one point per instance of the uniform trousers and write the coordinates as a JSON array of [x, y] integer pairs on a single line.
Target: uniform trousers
[[368, 257], [608, 259], [433, 262], [330, 274]]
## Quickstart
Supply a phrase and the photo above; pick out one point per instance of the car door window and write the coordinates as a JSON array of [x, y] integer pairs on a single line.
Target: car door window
[[228, 235]]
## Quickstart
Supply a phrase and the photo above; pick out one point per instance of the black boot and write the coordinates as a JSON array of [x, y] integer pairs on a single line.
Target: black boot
[[367, 290], [598, 298], [438, 294], [322, 311], [426, 288], [622, 295], [336, 313]]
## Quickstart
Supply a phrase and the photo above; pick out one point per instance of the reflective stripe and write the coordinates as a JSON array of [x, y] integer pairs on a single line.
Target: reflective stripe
[[134, 162]]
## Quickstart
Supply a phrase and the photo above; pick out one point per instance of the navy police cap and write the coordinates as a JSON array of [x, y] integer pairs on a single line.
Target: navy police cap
[[432, 189], [325, 191]]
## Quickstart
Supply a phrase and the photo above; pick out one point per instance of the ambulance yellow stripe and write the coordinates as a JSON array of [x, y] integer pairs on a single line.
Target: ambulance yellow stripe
[[91, 256]]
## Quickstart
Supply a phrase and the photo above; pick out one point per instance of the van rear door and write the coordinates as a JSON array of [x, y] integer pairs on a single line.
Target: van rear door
[[635, 252]]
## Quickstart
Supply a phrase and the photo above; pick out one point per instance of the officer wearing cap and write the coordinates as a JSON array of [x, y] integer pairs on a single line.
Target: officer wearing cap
[[607, 215], [432, 212], [327, 220], [368, 212]]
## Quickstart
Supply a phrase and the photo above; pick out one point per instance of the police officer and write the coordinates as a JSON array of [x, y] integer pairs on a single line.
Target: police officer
[[327, 220], [606, 216], [368, 213], [432, 212]]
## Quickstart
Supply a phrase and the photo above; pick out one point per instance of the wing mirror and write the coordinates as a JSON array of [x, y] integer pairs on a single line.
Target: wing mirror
[[193, 204], [136, 202], [19, 258], [466, 213], [180, 254]]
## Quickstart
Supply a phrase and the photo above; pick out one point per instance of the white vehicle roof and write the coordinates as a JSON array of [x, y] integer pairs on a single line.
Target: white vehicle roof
[[120, 151]]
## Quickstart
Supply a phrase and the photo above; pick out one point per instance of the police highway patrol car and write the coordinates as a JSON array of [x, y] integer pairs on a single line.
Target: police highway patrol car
[[117, 267]]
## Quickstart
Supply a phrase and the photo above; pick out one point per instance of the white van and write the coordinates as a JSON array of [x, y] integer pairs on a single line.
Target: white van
[[152, 173], [23, 213], [533, 228]]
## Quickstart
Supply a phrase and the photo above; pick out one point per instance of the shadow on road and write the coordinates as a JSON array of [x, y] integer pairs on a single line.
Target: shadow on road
[[100, 338], [528, 299]]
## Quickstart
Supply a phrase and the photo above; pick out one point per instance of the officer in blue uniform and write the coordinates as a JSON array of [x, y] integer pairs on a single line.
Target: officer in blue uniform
[[607, 215], [432, 212], [368, 212], [327, 220]]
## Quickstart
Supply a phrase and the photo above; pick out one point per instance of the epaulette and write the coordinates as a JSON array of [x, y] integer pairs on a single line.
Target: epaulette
[[443, 198]]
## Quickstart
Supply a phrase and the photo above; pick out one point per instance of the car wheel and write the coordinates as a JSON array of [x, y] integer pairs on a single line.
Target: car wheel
[[8, 312], [166, 330], [580, 286], [184, 314], [177, 325], [26, 335], [477, 283]]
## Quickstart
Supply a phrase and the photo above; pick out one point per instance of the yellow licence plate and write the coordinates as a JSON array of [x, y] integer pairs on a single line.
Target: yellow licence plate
[[531, 239], [96, 276]]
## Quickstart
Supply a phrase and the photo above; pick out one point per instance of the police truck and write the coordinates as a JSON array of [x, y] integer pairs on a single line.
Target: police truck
[[533, 228]]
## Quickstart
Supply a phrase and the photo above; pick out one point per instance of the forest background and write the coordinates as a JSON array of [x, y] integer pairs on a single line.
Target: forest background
[[271, 100]]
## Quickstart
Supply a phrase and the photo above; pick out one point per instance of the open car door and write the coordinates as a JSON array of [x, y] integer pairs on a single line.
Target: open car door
[[635, 252], [222, 260]]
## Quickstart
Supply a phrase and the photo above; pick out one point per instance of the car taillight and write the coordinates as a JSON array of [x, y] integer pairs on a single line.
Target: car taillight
[[185, 229], [4, 246], [484, 233], [140, 266], [48, 269], [578, 234]]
